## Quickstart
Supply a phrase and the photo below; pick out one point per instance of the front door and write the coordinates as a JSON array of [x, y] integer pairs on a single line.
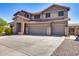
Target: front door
[[18, 27], [24, 28]]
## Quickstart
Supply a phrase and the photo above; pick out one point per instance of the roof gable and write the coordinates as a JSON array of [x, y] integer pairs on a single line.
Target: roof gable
[[22, 11], [56, 7]]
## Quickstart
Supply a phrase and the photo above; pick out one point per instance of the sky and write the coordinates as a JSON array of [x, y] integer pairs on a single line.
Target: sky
[[8, 9]]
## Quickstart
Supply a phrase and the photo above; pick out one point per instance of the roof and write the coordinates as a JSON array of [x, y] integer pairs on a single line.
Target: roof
[[43, 10], [58, 6], [21, 17], [44, 21], [53, 6], [73, 24], [49, 21], [11, 23], [21, 11]]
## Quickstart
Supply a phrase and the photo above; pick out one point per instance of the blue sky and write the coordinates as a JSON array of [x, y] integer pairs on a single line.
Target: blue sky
[[8, 9]]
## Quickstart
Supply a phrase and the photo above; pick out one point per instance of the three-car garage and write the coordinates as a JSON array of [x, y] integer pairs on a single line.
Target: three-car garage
[[42, 29]]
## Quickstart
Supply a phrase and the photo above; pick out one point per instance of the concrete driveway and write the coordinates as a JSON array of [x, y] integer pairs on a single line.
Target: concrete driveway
[[27, 45]]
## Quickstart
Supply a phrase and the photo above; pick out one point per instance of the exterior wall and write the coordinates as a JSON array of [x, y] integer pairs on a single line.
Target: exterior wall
[[76, 30], [14, 28], [54, 12], [49, 30], [66, 31]]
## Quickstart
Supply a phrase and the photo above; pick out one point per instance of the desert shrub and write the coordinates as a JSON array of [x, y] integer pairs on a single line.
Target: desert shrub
[[1, 30], [8, 31]]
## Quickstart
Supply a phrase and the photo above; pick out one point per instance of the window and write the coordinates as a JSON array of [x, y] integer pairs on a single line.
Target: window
[[47, 15], [36, 16], [27, 16], [61, 13]]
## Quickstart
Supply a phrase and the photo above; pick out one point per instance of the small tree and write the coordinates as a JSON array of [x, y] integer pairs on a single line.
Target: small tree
[[3, 23]]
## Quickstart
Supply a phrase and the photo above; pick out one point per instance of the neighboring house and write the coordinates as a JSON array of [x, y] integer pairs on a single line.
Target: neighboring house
[[51, 21], [74, 29], [11, 24]]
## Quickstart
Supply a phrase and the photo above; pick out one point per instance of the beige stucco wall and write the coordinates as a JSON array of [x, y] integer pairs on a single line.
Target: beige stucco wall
[[76, 30], [49, 30], [66, 31], [14, 28], [54, 12]]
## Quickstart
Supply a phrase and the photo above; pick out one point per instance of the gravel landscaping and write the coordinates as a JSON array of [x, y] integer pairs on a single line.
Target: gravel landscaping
[[69, 47]]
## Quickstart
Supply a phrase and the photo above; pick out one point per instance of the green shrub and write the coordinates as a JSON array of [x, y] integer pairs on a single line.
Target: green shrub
[[8, 31], [1, 30], [3, 23]]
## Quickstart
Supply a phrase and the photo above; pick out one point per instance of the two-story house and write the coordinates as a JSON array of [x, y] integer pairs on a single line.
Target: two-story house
[[51, 21]]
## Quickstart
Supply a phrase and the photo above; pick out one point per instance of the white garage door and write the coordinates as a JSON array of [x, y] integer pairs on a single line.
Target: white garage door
[[58, 29], [37, 30]]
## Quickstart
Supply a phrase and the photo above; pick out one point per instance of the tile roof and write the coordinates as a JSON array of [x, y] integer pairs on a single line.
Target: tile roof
[[42, 10]]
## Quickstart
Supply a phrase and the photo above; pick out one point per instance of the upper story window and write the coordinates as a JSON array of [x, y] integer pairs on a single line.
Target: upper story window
[[27, 16], [47, 15], [36, 16], [61, 13]]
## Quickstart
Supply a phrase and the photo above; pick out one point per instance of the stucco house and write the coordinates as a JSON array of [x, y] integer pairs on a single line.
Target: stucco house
[[51, 21]]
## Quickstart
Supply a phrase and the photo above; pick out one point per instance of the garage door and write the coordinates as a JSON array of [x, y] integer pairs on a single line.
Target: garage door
[[58, 29], [37, 30]]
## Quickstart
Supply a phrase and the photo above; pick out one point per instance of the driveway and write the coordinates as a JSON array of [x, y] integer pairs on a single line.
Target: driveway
[[27, 45]]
